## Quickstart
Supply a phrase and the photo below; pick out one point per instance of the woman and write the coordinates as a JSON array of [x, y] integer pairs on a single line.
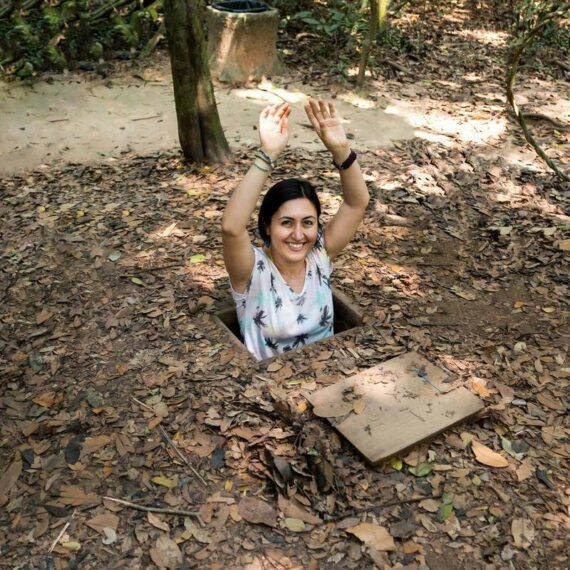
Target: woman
[[282, 291]]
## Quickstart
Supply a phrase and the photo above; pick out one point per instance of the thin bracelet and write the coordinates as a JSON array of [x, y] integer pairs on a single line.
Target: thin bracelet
[[266, 158], [261, 167]]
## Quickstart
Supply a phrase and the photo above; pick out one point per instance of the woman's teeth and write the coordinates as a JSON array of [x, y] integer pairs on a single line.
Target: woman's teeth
[[295, 246]]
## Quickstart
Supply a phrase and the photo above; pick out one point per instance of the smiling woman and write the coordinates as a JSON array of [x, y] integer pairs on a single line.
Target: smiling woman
[[283, 290]]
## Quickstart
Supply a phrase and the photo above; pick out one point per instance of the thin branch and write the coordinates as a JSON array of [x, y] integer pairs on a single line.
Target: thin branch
[[181, 455], [138, 507], [58, 538], [514, 60], [169, 441]]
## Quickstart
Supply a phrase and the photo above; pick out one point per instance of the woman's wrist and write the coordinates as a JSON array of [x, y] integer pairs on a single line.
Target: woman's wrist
[[273, 154], [341, 154]]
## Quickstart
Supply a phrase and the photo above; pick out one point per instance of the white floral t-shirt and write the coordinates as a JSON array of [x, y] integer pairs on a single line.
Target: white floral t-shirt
[[273, 318]]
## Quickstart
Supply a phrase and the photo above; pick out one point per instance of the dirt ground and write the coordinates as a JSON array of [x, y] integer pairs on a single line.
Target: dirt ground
[[117, 384], [87, 120]]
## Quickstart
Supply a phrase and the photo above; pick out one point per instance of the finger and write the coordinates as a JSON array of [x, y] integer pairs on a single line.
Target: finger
[[266, 111], [274, 109], [285, 114], [313, 106], [311, 116], [284, 124], [283, 108], [323, 109], [332, 110]]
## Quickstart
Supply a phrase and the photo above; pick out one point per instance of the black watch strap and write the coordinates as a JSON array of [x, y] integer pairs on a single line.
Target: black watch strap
[[348, 162]]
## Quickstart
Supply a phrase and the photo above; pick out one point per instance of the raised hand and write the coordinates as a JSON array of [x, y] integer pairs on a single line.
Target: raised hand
[[274, 128], [328, 126]]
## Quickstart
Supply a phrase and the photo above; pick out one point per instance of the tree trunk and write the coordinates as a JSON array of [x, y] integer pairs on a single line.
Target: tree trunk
[[199, 128], [367, 46]]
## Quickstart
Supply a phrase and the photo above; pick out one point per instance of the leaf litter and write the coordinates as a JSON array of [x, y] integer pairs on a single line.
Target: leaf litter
[[117, 384]]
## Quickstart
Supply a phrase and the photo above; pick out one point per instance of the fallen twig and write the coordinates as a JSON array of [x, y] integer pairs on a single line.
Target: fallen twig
[[168, 440], [58, 538], [153, 509], [181, 455]]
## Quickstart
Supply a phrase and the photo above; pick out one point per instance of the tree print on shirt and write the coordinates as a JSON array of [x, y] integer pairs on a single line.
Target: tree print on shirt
[[272, 285], [300, 340], [278, 303], [270, 343], [301, 318], [319, 274], [259, 317], [261, 266], [326, 317]]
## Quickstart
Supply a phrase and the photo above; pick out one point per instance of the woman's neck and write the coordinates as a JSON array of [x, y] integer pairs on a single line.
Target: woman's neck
[[287, 269]]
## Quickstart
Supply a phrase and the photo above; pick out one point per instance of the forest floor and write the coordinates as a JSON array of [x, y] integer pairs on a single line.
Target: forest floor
[[116, 383]]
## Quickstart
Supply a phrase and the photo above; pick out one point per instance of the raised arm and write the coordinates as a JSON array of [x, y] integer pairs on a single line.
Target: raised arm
[[340, 230], [238, 253]]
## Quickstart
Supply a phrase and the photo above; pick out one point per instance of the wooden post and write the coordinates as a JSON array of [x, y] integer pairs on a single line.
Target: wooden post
[[199, 128]]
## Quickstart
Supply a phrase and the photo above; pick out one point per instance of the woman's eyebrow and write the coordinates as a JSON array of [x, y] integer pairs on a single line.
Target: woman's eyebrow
[[291, 218]]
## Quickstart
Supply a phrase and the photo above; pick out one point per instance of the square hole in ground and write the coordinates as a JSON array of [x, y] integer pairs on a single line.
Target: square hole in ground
[[346, 317]]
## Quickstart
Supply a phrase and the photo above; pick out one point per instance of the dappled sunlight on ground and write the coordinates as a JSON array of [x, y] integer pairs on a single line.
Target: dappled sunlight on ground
[[487, 37], [449, 128]]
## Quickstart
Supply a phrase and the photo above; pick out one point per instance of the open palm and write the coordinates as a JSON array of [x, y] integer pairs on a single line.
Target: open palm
[[327, 125], [274, 128]]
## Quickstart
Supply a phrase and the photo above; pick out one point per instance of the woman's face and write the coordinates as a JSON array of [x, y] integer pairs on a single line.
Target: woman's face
[[293, 230]]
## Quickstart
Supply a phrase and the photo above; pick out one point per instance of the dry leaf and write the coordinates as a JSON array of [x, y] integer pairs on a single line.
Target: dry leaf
[[43, 316], [430, 505], [110, 536], [523, 532], [92, 444], [157, 522], [166, 553], [164, 482], [46, 400], [75, 496], [563, 244], [487, 456], [525, 469], [479, 386], [100, 522], [290, 508], [373, 535], [295, 525], [256, 511], [332, 409], [10, 477]]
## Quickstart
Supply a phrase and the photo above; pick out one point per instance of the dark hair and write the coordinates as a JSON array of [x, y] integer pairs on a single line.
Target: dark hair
[[278, 194]]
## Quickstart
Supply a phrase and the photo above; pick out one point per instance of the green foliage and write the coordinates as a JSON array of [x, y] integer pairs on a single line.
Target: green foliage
[[526, 14], [46, 34], [341, 21]]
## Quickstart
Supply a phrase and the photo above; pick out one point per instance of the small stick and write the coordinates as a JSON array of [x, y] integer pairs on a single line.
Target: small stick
[[146, 118], [181, 455], [153, 509], [142, 404], [54, 544], [174, 446]]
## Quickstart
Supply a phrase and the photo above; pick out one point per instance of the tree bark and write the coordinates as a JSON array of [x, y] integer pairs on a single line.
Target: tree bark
[[199, 129], [370, 39]]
